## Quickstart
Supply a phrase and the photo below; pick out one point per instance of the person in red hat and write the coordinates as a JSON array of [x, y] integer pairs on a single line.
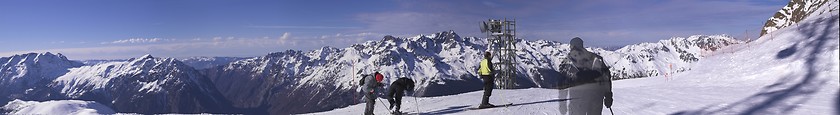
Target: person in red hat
[[371, 83]]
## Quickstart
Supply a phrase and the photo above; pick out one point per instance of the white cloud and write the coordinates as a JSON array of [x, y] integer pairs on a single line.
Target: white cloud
[[219, 47], [284, 39], [348, 38], [216, 46], [138, 40], [286, 35], [304, 27]]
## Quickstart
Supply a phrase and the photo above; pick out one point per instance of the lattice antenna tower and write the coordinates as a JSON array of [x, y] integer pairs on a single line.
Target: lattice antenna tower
[[501, 43]]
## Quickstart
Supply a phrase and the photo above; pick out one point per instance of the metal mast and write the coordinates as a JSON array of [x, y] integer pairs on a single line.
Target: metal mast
[[501, 38]]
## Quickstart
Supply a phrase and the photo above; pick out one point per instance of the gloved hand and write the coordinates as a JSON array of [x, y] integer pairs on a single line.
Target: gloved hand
[[608, 100]]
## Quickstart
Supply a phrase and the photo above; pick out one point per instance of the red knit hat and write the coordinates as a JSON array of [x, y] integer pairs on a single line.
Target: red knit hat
[[379, 77]]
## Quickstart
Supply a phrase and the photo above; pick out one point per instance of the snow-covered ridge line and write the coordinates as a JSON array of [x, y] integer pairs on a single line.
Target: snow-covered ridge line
[[663, 57], [142, 85], [795, 11]]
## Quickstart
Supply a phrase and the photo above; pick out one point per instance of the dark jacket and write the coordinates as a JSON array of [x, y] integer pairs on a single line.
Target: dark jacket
[[370, 84], [400, 86]]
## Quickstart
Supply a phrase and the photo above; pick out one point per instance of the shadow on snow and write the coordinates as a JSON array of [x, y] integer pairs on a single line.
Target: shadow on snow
[[786, 95]]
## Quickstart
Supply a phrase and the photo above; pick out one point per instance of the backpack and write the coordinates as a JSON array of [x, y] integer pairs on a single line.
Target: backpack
[[379, 78], [362, 81]]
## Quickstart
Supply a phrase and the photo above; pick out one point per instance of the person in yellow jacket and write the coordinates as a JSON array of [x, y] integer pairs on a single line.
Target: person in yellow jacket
[[485, 70]]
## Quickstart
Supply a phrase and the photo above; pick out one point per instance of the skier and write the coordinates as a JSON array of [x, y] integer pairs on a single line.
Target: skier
[[371, 83], [591, 70], [396, 91], [485, 70]]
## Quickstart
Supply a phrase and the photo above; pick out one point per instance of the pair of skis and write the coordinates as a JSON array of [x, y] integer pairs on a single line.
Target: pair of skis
[[397, 112]]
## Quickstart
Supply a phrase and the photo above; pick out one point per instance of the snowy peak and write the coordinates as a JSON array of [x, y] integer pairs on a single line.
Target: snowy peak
[[27, 69], [26, 76], [38, 58], [663, 57], [147, 56], [143, 85], [151, 72], [440, 36], [142, 58], [795, 11]]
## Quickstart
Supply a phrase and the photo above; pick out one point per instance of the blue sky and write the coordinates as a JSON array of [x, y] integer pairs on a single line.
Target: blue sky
[[119, 29]]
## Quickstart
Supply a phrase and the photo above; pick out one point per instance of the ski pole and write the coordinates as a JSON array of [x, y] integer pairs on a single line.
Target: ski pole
[[417, 104], [611, 112], [383, 104]]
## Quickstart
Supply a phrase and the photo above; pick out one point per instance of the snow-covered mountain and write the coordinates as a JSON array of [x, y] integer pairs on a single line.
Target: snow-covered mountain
[[138, 85], [441, 63], [200, 62], [664, 57], [26, 76], [143, 85], [795, 11]]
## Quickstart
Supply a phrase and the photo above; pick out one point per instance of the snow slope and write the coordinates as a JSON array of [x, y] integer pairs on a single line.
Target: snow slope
[[795, 71], [60, 107], [525, 102], [143, 85]]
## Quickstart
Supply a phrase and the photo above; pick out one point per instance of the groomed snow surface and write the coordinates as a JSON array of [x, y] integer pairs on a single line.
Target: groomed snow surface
[[525, 102], [793, 70], [60, 107], [790, 71]]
